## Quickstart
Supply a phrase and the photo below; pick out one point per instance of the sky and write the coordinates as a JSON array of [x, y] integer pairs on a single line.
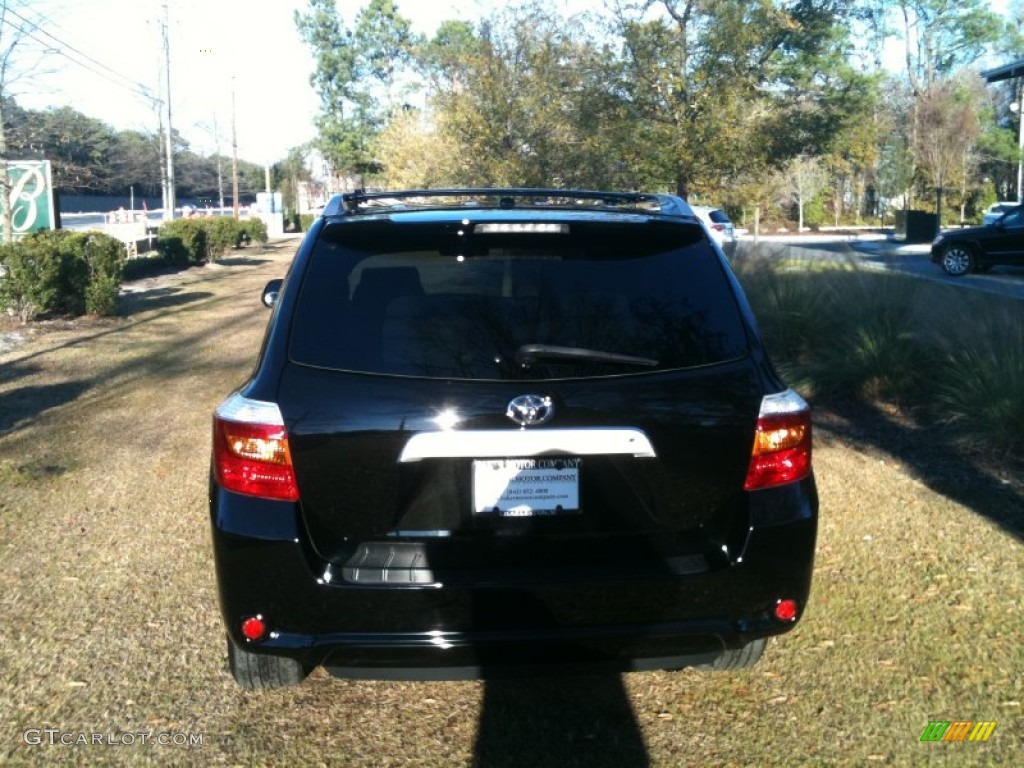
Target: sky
[[101, 57], [252, 44]]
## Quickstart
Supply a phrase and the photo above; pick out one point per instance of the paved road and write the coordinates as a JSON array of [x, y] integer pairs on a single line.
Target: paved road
[[873, 253]]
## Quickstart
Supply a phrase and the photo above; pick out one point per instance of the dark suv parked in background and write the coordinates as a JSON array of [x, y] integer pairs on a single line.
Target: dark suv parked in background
[[960, 251], [497, 431]]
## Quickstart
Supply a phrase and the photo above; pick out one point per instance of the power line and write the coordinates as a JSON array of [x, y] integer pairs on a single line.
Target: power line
[[37, 27], [118, 79]]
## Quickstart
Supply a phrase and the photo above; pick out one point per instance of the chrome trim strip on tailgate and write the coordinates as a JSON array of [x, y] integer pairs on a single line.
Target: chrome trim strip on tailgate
[[481, 444]]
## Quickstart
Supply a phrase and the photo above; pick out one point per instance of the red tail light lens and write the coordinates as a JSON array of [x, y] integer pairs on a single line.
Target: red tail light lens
[[782, 443], [718, 227], [254, 628], [250, 450], [786, 610]]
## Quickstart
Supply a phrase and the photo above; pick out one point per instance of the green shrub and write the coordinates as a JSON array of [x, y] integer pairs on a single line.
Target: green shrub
[[191, 235], [30, 284], [814, 212], [61, 271], [255, 230], [172, 249], [306, 221], [979, 386], [840, 333], [42, 277], [943, 355], [105, 257], [148, 265], [222, 233], [101, 295], [74, 269], [193, 241]]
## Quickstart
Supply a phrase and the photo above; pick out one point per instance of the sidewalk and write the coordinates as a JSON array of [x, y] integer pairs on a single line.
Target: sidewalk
[[889, 245], [884, 243]]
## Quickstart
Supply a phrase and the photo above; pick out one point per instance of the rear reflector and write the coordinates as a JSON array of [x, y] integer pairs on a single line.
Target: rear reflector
[[786, 610], [254, 628], [782, 442], [250, 450]]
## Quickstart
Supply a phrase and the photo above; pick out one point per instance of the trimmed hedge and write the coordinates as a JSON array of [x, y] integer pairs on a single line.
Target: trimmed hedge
[[73, 272], [61, 271], [256, 229], [183, 241], [195, 241]]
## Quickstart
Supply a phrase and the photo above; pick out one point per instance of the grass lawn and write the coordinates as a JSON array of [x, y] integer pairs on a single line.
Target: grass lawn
[[109, 622]]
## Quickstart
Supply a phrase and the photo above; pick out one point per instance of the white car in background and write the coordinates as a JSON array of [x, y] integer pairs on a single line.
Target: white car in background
[[718, 225], [995, 211]]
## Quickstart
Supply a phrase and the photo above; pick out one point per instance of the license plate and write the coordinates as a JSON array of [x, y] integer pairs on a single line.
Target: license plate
[[526, 487]]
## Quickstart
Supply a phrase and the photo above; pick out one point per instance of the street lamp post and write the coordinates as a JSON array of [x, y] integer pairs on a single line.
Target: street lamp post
[[1019, 109], [1011, 71]]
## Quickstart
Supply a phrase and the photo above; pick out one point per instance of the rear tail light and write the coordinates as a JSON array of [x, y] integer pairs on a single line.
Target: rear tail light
[[718, 227], [782, 442], [250, 450]]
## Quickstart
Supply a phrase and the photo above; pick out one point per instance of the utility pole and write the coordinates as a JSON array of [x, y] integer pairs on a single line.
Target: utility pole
[[163, 158], [169, 203], [234, 153], [220, 178]]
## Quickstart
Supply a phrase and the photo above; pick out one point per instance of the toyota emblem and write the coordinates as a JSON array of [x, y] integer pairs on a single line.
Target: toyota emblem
[[530, 410]]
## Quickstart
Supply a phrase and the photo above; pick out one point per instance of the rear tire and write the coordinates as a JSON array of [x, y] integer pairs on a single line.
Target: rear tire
[[740, 658], [958, 260], [258, 671]]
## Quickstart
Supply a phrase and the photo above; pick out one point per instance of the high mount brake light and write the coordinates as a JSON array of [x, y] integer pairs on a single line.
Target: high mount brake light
[[782, 442], [521, 228], [250, 450]]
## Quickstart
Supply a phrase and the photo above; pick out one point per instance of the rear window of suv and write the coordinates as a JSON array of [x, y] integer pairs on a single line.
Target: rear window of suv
[[450, 299]]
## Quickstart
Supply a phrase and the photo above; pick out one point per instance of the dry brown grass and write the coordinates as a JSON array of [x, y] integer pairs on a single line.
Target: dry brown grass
[[109, 621]]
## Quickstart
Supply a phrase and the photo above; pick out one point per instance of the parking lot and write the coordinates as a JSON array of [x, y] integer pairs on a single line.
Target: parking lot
[[875, 252], [112, 650]]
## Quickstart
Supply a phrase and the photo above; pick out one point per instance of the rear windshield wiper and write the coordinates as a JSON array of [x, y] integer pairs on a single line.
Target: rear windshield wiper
[[529, 353]]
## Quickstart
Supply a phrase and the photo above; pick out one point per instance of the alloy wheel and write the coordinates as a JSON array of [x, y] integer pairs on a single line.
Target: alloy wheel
[[957, 260]]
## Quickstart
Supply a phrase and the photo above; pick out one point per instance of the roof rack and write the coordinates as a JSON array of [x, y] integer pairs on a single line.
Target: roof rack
[[361, 201]]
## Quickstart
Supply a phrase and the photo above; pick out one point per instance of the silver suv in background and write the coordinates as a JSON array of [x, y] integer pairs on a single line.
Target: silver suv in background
[[718, 225]]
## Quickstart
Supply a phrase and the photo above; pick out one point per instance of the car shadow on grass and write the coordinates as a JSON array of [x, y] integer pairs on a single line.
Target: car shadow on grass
[[539, 721], [992, 489], [559, 722]]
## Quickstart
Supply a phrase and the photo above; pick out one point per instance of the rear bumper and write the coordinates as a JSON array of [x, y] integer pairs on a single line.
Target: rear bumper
[[454, 625], [482, 655]]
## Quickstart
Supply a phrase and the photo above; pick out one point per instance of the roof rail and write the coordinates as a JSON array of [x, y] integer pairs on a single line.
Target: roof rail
[[362, 201]]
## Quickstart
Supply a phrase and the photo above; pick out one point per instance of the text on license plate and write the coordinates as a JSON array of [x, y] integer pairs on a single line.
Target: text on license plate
[[526, 487]]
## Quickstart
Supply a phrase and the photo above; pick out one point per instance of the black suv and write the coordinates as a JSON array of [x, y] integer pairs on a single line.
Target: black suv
[[960, 251], [501, 431]]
